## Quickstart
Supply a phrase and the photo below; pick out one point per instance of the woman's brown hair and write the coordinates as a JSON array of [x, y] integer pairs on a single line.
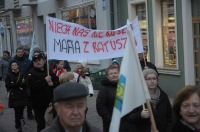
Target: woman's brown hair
[[181, 96]]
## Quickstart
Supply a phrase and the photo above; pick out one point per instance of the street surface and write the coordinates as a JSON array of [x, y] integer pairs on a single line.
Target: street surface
[[7, 121]]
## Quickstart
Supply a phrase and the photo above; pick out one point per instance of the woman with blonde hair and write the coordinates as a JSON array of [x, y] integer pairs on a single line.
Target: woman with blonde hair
[[67, 77], [106, 96]]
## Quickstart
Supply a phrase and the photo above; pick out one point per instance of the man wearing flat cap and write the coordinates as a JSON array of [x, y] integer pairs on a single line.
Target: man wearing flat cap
[[41, 86], [70, 102]]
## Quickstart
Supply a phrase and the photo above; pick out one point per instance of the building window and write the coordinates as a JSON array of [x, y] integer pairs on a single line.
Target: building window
[[141, 13], [168, 33], [85, 16], [24, 29]]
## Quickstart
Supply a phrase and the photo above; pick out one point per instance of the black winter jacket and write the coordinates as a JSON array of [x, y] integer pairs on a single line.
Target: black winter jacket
[[133, 122], [105, 102], [148, 64], [15, 83], [57, 127], [178, 126], [41, 93]]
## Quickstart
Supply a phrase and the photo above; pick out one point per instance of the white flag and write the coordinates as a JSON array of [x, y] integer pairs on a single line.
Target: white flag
[[33, 46], [132, 90]]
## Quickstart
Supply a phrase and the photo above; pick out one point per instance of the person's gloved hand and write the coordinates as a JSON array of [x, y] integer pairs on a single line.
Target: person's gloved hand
[[91, 95]]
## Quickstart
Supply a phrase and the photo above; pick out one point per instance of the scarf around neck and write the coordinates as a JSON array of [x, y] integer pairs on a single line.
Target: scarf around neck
[[155, 97]]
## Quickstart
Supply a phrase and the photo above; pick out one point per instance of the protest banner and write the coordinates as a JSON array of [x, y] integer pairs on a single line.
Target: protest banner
[[70, 41]]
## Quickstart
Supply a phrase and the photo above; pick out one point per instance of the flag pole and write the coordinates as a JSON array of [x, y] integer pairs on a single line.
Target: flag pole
[[148, 101], [47, 67], [47, 63], [151, 116]]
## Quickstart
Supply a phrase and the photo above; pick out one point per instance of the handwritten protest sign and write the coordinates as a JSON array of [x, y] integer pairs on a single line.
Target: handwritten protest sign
[[70, 41]]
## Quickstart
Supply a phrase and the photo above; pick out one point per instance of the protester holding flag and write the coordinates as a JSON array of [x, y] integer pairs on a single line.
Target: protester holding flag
[[138, 119], [186, 110], [106, 96]]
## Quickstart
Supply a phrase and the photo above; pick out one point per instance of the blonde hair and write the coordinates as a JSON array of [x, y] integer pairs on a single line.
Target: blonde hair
[[66, 77]]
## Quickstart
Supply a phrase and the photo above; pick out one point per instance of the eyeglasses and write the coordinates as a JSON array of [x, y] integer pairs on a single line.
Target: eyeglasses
[[187, 106], [151, 79]]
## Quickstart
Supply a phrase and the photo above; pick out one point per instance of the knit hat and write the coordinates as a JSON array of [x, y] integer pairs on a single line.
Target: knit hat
[[149, 71], [115, 61], [83, 62], [38, 56]]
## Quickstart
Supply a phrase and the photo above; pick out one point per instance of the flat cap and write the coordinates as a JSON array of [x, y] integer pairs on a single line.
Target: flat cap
[[69, 90]]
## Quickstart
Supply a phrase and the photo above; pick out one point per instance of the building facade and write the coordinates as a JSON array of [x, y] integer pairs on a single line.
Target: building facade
[[20, 18], [170, 30], [171, 33]]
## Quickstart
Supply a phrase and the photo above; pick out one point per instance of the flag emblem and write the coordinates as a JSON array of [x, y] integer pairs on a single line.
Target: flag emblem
[[120, 92]]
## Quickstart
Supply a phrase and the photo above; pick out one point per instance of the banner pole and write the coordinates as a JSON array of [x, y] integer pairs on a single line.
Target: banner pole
[[47, 67]]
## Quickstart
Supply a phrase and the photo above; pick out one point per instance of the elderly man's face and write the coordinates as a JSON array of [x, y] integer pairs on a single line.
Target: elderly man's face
[[71, 112]]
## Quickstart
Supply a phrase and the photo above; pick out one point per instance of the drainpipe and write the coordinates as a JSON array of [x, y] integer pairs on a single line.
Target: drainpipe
[[112, 15]]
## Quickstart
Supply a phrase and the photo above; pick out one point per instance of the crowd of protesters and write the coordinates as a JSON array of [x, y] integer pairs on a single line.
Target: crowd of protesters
[[34, 85]]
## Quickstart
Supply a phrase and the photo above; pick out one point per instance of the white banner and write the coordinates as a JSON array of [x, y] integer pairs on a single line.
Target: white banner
[[70, 41]]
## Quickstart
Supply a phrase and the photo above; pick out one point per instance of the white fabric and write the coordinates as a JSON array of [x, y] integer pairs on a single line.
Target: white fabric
[[85, 81], [88, 83]]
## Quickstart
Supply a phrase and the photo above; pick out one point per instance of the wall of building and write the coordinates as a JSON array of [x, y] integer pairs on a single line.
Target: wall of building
[[170, 80]]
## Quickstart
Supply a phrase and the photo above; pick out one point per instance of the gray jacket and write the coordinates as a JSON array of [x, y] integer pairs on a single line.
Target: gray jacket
[[57, 127], [4, 65]]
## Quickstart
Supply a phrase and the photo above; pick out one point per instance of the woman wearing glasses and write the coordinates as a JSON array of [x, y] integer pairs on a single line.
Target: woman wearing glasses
[[138, 120], [186, 110]]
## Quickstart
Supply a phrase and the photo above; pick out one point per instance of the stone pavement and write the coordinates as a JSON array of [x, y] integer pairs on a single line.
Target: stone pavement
[[7, 119]]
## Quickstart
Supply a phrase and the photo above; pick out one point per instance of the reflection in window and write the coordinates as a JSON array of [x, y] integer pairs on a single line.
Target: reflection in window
[[141, 13], [24, 29], [85, 16], [168, 33]]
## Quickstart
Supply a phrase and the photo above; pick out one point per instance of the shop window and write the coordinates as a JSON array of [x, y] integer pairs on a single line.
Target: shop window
[[141, 13], [85, 16], [168, 33], [24, 29]]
